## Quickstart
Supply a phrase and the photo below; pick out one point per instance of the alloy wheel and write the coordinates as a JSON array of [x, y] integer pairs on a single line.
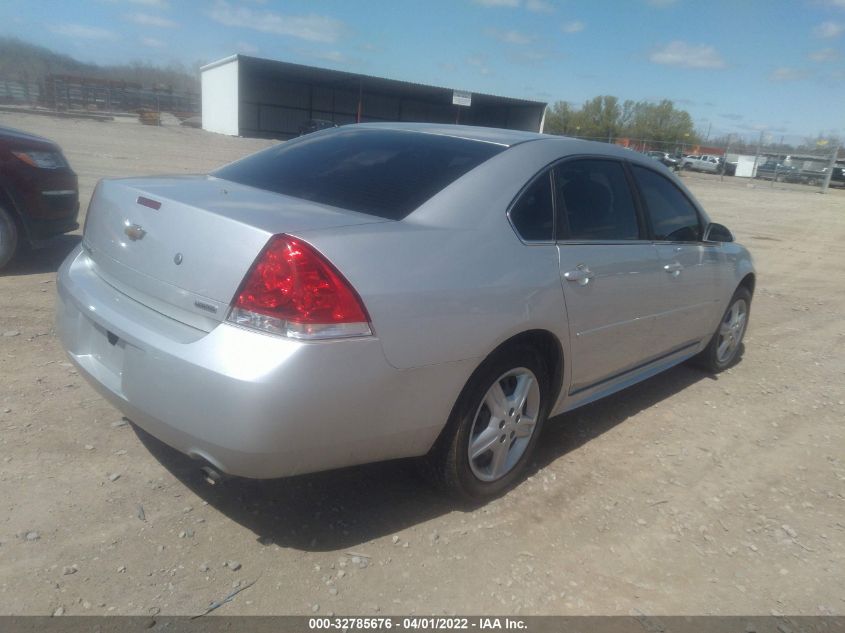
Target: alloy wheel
[[504, 424], [731, 331]]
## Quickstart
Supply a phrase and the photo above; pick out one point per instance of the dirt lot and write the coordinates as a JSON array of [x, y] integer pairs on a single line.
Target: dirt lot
[[685, 495]]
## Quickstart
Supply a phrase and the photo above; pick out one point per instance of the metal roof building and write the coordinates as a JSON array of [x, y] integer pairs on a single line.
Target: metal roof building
[[255, 97]]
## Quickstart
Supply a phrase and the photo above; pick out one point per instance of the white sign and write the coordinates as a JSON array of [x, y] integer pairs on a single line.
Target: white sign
[[461, 98]]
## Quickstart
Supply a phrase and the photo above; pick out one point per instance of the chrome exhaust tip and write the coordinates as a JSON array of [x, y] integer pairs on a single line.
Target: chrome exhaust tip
[[212, 476]]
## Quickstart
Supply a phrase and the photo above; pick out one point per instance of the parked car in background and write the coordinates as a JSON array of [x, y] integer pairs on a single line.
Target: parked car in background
[[664, 157], [837, 177], [285, 314], [813, 176], [773, 170], [704, 162], [727, 167], [39, 194]]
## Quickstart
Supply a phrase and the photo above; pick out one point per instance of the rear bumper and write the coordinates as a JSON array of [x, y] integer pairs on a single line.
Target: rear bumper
[[252, 405]]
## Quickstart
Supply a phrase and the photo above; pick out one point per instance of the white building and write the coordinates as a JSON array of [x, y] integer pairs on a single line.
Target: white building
[[250, 96]]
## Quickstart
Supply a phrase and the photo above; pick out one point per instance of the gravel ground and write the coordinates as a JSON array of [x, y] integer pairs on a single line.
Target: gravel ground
[[687, 494]]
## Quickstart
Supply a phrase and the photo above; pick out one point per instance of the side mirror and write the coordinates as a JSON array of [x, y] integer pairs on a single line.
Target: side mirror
[[717, 233]]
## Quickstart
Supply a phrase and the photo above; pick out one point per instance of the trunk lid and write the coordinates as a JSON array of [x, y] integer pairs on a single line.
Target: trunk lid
[[187, 258]]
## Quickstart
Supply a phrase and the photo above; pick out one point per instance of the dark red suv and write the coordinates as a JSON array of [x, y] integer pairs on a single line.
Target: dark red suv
[[39, 194]]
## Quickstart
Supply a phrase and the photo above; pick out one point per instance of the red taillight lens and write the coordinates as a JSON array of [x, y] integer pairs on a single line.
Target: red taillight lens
[[293, 290]]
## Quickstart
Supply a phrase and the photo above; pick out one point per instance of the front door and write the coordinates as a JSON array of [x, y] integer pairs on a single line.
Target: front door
[[690, 268]]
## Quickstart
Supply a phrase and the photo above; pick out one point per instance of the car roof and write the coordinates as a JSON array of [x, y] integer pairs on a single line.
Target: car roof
[[499, 136], [509, 138]]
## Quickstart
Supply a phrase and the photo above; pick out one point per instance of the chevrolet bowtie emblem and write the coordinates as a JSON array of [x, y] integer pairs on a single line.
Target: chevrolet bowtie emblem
[[134, 232]]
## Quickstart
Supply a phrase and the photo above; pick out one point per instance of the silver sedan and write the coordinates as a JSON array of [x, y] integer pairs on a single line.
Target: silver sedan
[[380, 291]]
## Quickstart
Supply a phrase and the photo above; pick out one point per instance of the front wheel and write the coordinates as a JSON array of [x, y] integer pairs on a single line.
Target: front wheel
[[493, 428], [723, 350]]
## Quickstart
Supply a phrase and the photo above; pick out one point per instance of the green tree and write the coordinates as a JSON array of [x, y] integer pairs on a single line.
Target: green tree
[[604, 118], [560, 119], [600, 118]]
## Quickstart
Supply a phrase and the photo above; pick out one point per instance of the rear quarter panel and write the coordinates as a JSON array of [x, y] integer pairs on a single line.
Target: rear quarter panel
[[452, 281]]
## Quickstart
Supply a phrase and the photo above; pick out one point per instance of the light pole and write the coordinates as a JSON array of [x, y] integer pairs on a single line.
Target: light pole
[[725, 163]]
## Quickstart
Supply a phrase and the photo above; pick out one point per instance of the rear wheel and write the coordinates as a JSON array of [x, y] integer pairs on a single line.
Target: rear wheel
[[493, 428], [723, 350], [8, 237]]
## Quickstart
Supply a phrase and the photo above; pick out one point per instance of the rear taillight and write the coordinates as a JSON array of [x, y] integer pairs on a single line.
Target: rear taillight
[[294, 291]]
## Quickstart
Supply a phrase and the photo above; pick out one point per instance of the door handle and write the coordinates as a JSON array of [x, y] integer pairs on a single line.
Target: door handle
[[582, 274], [674, 268]]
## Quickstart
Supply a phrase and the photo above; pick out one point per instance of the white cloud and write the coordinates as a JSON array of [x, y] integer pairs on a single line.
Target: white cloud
[[83, 32], [576, 26], [510, 37], [539, 6], [246, 48], [498, 3], [686, 55], [145, 19], [479, 63], [528, 57], [828, 30], [331, 56], [152, 42], [152, 4], [312, 27], [785, 73], [825, 54]]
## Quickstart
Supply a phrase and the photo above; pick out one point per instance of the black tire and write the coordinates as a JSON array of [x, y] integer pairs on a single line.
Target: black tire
[[447, 465], [8, 237], [709, 357]]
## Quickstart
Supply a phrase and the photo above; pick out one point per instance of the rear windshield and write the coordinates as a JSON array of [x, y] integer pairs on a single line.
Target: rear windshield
[[387, 173]]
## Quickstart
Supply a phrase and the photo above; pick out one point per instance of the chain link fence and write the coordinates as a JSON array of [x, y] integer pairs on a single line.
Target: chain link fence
[[87, 94], [817, 166]]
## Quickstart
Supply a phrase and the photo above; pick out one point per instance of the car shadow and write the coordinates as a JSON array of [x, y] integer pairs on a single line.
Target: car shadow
[[45, 259], [345, 508], [567, 432]]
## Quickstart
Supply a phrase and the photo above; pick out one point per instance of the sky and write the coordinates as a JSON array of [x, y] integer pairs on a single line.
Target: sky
[[738, 66]]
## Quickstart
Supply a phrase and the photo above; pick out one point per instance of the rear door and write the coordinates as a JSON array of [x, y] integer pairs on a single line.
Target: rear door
[[610, 272], [689, 267]]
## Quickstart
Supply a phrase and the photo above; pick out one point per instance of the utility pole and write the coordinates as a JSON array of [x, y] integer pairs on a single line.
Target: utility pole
[[725, 163], [829, 172], [757, 156], [778, 164]]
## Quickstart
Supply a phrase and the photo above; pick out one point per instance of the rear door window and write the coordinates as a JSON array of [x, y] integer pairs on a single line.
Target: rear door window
[[533, 214], [673, 216], [386, 173], [594, 201]]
